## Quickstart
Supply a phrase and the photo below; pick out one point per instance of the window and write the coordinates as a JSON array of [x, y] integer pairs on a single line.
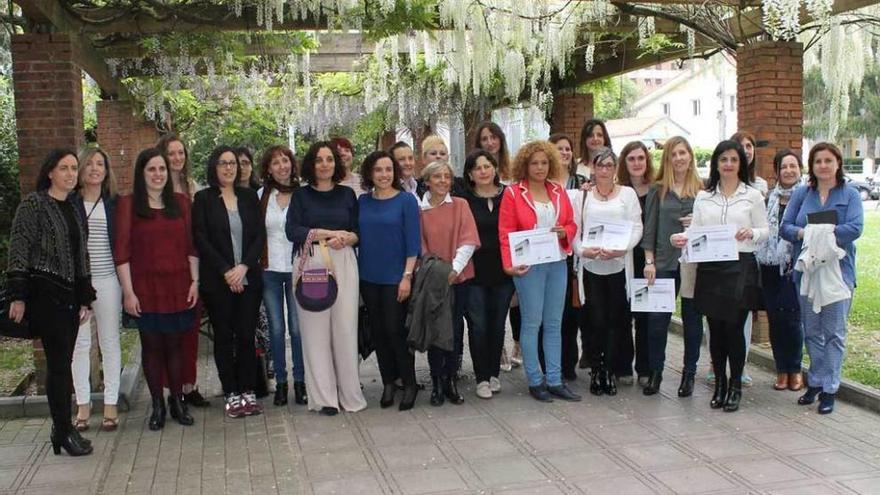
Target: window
[[696, 106], [666, 109], [658, 81], [647, 82], [733, 102]]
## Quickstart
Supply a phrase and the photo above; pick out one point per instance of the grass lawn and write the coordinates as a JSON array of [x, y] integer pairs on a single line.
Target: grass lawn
[[862, 362]]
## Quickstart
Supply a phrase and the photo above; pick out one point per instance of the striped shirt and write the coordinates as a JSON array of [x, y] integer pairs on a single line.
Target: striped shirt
[[98, 245]]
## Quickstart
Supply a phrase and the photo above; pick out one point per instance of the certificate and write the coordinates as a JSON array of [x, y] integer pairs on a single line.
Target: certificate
[[712, 243], [534, 247], [606, 233], [657, 298]]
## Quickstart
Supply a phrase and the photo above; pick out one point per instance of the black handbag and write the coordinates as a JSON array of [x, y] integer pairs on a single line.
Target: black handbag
[[8, 327], [315, 290]]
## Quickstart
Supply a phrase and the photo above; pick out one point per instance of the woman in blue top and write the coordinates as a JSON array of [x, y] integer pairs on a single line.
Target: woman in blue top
[[390, 241], [825, 332]]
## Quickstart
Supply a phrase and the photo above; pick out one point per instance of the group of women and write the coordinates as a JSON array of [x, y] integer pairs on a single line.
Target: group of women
[[422, 254]]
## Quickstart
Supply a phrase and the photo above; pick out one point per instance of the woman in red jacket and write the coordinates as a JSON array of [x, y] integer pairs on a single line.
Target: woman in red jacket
[[536, 202]]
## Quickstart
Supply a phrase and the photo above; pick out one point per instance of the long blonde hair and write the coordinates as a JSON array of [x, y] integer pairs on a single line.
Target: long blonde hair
[[108, 186], [666, 174]]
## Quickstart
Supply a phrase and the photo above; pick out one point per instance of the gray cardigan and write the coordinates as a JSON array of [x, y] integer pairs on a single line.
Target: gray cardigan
[[661, 221], [429, 318]]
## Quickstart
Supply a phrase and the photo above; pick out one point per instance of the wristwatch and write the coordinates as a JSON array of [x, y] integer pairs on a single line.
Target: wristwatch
[[649, 262]]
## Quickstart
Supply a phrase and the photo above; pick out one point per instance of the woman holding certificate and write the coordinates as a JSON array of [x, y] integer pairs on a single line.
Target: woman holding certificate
[[530, 208], [609, 222], [824, 310], [728, 216]]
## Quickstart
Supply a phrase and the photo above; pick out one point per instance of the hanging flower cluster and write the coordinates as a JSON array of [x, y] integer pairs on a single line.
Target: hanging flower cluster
[[782, 18]]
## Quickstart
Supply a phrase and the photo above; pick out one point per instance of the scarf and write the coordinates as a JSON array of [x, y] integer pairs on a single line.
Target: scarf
[[776, 251]]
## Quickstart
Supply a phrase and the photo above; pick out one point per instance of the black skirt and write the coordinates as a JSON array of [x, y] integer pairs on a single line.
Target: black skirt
[[724, 289]]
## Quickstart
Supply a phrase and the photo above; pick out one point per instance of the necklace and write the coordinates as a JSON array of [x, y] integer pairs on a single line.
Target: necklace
[[604, 196]]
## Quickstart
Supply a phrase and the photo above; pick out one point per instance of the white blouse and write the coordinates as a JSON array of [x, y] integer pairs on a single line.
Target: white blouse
[[745, 209], [624, 206], [280, 250]]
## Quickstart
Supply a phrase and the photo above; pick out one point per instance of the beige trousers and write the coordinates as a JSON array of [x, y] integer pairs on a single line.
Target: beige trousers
[[329, 338]]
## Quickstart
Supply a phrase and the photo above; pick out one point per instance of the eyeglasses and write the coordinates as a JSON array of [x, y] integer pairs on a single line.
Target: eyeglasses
[[604, 165], [227, 164]]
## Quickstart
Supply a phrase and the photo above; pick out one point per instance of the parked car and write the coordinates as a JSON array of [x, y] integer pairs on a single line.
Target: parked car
[[868, 189]]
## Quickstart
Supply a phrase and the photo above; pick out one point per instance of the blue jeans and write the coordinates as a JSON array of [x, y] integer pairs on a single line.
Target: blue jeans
[[825, 336], [658, 328], [541, 293], [784, 316], [486, 310], [278, 288]]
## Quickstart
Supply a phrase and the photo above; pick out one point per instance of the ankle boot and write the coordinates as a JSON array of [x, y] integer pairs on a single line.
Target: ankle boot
[[610, 385], [686, 388], [280, 394], [157, 416], [178, 410], [71, 443], [450, 390], [299, 393], [410, 392], [826, 403], [653, 386], [436, 391], [734, 395], [720, 394], [387, 399], [596, 382], [809, 396]]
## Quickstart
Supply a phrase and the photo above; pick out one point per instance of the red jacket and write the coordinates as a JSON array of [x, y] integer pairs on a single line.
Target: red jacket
[[518, 213]]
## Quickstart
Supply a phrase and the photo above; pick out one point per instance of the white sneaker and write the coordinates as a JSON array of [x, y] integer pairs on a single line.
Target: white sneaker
[[494, 384], [484, 391]]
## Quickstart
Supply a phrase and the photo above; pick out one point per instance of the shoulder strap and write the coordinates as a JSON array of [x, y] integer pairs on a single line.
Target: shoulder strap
[[583, 213], [325, 253]]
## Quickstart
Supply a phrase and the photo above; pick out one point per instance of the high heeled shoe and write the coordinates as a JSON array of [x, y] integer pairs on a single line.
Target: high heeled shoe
[[437, 391], [719, 397], [157, 416], [178, 410], [686, 387], [300, 396], [809, 396], [280, 398], [596, 382], [387, 399], [410, 392], [450, 390], [654, 381], [71, 443], [734, 395], [610, 384]]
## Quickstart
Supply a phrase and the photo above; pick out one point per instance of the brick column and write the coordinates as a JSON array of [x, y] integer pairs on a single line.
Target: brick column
[[770, 98], [570, 110], [48, 100], [122, 134]]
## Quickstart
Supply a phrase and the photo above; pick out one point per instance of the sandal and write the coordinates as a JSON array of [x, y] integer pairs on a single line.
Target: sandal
[[81, 424], [109, 424]]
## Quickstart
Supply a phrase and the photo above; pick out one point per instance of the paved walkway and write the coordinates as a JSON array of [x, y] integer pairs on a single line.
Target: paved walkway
[[627, 445]]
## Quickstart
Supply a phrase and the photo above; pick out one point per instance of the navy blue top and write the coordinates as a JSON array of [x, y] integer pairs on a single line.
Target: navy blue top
[[846, 202], [336, 209], [390, 233]]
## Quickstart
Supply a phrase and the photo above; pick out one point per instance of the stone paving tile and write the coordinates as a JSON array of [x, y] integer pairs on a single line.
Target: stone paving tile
[[697, 479], [762, 471], [629, 485], [432, 480], [579, 464]]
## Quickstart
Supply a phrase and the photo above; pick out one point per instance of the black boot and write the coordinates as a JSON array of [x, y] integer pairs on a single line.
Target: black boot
[[686, 389], [70, 442], [826, 403], [410, 392], [437, 391], [450, 390], [83, 440], [157, 416], [654, 381], [280, 394], [734, 395], [719, 397], [809, 396], [610, 385], [387, 399], [299, 393], [178, 410], [596, 382]]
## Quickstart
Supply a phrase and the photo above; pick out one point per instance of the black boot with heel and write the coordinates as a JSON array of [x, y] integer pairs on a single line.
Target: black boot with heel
[[280, 398], [178, 410], [157, 415]]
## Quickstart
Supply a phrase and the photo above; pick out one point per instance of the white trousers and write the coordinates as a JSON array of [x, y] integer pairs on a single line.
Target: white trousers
[[330, 339], [107, 312]]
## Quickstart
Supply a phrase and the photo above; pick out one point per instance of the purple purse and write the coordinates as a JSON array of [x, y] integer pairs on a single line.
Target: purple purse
[[315, 289]]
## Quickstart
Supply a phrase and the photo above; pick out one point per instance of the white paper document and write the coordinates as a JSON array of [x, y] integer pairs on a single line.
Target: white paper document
[[712, 243], [657, 298], [534, 247], [608, 234]]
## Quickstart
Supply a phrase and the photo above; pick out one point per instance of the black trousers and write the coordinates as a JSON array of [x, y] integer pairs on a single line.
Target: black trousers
[[388, 333], [234, 319], [57, 324], [607, 311], [727, 342]]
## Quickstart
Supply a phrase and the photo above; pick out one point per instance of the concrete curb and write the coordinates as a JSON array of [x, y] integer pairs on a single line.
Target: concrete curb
[[37, 405], [849, 391]]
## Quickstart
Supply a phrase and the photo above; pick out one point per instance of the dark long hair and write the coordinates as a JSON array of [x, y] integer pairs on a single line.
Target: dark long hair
[[214, 159], [49, 164], [370, 162], [253, 182], [753, 165], [139, 194], [503, 162], [471, 161], [308, 163], [834, 150], [586, 130], [715, 175]]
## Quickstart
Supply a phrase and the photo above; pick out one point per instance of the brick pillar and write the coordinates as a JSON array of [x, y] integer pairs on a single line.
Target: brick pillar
[[122, 134], [770, 98], [48, 100], [570, 110]]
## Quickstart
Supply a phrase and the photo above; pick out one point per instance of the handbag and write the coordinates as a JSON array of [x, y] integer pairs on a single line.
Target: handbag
[[8, 327], [573, 276], [316, 289]]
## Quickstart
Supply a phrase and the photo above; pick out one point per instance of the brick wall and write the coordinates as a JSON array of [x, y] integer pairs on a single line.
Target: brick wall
[[770, 97], [569, 113], [122, 134], [48, 100]]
